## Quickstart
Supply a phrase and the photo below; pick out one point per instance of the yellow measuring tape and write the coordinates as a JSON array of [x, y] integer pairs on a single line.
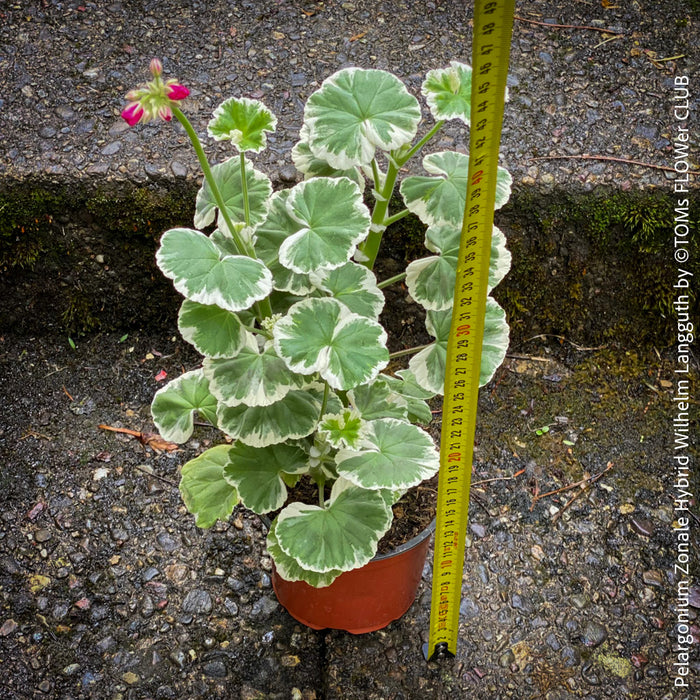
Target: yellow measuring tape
[[493, 24]]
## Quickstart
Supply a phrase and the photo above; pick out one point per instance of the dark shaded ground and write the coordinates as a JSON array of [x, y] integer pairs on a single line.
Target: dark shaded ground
[[107, 590]]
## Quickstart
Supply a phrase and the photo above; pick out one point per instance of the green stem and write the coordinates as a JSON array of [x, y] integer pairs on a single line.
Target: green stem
[[421, 143], [264, 310], [396, 217], [378, 224], [390, 280], [209, 177], [244, 187], [321, 483], [408, 351]]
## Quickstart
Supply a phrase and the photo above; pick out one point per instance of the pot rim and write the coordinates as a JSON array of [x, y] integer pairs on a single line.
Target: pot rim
[[413, 542]]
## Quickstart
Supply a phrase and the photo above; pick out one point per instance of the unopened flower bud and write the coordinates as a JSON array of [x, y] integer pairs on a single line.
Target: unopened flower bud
[[132, 113], [177, 92], [156, 67]]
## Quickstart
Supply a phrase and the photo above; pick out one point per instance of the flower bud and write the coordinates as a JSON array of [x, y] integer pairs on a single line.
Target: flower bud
[[177, 92], [156, 67], [132, 113]]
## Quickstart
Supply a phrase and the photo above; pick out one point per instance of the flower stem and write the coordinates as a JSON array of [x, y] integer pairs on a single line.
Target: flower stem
[[244, 188], [209, 177], [264, 310], [408, 351]]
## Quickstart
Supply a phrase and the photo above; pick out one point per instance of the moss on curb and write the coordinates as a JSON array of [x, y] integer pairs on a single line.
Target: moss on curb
[[593, 267]]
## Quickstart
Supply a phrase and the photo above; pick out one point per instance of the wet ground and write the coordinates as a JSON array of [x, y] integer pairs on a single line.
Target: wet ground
[[107, 589]]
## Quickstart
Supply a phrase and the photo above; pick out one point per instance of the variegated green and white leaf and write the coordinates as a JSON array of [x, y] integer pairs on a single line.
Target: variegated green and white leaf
[[174, 405], [207, 495], [448, 92], [393, 455], [431, 281], [227, 176], [290, 570], [312, 166], [341, 429], [200, 273], [342, 536], [243, 122], [496, 339], [428, 366], [213, 331], [353, 285], [252, 377], [278, 226], [440, 199], [500, 258], [322, 335], [295, 416], [331, 219], [356, 111], [257, 473], [376, 400], [405, 385]]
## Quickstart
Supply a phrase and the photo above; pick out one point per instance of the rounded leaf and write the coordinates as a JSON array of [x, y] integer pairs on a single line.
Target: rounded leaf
[[201, 273], [393, 455], [356, 111], [290, 570], [213, 331], [252, 377], [205, 492], [441, 199], [270, 235], [295, 416], [496, 339], [428, 366], [174, 405], [330, 218], [227, 176], [448, 92], [322, 335], [353, 285], [243, 122], [342, 536], [257, 474], [306, 162], [499, 264]]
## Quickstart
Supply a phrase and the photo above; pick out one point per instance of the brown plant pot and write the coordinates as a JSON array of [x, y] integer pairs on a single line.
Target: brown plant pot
[[364, 599]]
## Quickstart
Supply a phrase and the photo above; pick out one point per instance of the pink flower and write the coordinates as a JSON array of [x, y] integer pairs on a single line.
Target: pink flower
[[156, 100], [132, 114], [178, 92]]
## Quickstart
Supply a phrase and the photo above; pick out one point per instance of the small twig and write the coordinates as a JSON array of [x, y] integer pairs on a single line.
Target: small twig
[[566, 340], [610, 38], [559, 513], [156, 476], [569, 26], [34, 434], [498, 478], [65, 391], [126, 431], [614, 160], [588, 480]]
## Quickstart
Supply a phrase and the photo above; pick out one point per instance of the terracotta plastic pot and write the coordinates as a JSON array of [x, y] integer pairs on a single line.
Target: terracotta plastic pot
[[364, 599]]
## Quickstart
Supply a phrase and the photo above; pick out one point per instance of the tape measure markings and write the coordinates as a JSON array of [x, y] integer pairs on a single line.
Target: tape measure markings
[[493, 21]]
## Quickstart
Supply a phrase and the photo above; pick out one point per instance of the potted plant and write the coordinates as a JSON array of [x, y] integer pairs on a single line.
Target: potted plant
[[282, 302]]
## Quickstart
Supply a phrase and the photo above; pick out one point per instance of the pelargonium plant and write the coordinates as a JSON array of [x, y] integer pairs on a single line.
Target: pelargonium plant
[[282, 302]]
